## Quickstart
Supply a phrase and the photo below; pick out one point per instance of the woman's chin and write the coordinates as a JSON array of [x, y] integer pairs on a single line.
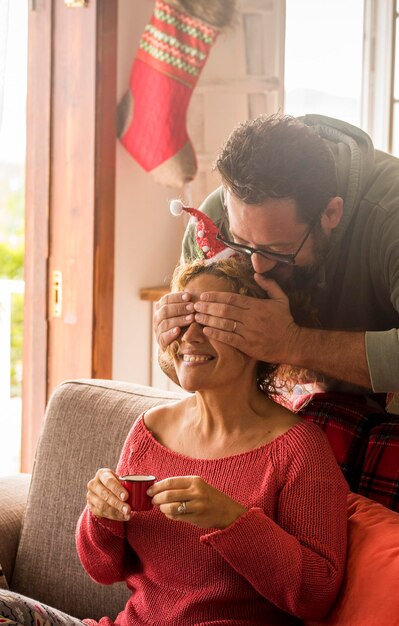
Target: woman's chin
[[188, 385]]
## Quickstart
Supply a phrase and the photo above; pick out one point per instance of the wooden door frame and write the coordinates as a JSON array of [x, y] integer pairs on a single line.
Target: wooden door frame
[[41, 117]]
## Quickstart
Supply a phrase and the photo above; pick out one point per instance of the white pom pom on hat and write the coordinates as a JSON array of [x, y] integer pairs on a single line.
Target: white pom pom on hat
[[176, 207]]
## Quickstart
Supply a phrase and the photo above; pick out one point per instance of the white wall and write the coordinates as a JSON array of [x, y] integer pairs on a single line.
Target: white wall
[[243, 74], [147, 237]]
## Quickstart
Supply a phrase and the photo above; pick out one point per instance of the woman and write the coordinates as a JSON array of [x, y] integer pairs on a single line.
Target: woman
[[249, 518]]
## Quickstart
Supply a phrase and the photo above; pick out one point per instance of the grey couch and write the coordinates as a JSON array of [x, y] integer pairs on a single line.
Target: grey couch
[[85, 426]]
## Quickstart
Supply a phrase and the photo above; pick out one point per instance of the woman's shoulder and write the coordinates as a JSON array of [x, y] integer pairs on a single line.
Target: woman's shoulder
[[305, 443], [303, 431], [165, 421], [164, 413]]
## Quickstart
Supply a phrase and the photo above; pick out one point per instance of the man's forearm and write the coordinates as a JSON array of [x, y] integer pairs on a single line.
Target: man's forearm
[[337, 354]]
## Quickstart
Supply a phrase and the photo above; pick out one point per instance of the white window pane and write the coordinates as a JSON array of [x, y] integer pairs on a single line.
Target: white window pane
[[323, 58], [396, 84]]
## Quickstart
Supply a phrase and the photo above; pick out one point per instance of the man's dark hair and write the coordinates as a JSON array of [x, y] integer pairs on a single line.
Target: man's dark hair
[[279, 157]]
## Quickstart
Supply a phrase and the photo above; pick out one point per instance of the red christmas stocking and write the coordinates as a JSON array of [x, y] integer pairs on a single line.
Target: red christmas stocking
[[152, 115]]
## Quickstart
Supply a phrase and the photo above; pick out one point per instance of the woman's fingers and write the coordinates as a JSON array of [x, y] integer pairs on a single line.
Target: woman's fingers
[[106, 497], [102, 509], [191, 499]]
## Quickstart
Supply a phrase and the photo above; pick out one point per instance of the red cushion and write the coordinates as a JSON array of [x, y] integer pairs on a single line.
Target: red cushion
[[369, 593]]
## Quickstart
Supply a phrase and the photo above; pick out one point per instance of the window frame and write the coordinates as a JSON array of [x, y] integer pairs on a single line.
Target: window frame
[[394, 60], [377, 71], [70, 201]]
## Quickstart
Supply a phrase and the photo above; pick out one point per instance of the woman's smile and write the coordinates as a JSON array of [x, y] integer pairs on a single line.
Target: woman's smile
[[193, 358]]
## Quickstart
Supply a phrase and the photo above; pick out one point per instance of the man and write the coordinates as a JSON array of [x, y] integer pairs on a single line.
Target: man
[[317, 208]]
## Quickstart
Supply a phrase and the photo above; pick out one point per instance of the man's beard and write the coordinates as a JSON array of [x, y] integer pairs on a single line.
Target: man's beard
[[301, 283], [296, 278]]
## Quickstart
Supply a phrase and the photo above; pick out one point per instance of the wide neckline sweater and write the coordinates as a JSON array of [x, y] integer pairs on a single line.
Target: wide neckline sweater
[[280, 561]]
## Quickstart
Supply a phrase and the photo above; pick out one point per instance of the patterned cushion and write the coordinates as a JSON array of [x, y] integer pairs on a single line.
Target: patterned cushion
[[347, 420], [380, 478]]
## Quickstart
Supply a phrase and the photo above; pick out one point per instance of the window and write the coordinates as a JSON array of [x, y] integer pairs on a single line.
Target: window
[[13, 87], [323, 58]]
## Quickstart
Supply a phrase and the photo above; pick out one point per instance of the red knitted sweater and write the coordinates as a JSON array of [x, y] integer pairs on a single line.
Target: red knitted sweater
[[283, 558]]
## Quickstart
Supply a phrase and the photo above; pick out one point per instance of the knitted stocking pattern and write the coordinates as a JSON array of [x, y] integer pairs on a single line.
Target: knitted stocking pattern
[[152, 115]]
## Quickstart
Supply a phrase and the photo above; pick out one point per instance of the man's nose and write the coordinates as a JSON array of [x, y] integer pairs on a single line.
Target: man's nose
[[261, 264]]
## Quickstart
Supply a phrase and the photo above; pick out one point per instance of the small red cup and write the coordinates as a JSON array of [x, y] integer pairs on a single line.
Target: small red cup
[[137, 487]]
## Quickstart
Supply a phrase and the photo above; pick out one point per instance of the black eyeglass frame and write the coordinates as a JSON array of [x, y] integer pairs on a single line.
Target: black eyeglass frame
[[289, 259]]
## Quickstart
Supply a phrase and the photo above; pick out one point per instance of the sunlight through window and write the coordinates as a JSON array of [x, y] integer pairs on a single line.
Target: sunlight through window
[[323, 58]]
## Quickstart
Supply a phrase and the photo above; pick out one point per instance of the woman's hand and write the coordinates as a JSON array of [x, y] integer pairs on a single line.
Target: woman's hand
[[190, 499], [106, 496]]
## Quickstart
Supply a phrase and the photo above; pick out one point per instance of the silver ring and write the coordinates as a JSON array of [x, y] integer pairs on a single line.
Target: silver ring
[[181, 509], [234, 327]]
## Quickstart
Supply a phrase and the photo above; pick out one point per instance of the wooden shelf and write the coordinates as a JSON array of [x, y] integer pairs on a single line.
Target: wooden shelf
[[152, 294]]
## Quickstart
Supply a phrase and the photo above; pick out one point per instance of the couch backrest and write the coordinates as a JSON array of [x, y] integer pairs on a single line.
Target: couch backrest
[[85, 426]]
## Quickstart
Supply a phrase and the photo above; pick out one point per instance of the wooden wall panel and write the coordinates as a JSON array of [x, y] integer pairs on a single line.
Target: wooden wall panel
[[72, 202], [105, 175]]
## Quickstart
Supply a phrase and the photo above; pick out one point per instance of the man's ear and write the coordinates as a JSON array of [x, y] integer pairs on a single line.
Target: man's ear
[[332, 214]]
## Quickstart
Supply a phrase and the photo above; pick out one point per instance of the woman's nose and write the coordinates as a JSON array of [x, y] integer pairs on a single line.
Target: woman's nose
[[193, 333], [261, 264]]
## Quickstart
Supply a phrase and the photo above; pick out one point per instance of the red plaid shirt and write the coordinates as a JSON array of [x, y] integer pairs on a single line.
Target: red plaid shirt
[[364, 439]]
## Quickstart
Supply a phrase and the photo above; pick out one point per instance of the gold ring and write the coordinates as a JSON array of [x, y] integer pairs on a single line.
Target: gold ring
[[234, 327]]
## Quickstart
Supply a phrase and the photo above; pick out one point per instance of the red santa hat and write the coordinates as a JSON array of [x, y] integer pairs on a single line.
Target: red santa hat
[[206, 230]]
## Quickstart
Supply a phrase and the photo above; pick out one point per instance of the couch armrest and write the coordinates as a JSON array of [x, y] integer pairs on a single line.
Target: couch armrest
[[13, 495]]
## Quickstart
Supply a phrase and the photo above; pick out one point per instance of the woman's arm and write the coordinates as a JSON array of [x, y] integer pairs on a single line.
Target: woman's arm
[[102, 548], [296, 562], [101, 531]]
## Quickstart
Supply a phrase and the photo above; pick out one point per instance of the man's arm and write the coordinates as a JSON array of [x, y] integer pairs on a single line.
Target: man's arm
[[265, 330], [382, 349], [337, 354], [368, 359]]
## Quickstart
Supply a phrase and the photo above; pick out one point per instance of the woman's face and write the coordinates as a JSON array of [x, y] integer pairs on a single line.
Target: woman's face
[[203, 363]]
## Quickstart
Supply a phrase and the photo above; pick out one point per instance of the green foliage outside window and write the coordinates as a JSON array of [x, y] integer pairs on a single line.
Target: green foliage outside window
[[12, 267], [11, 261]]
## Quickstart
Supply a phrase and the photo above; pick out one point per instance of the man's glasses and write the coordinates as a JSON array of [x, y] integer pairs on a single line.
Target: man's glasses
[[278, 257]]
